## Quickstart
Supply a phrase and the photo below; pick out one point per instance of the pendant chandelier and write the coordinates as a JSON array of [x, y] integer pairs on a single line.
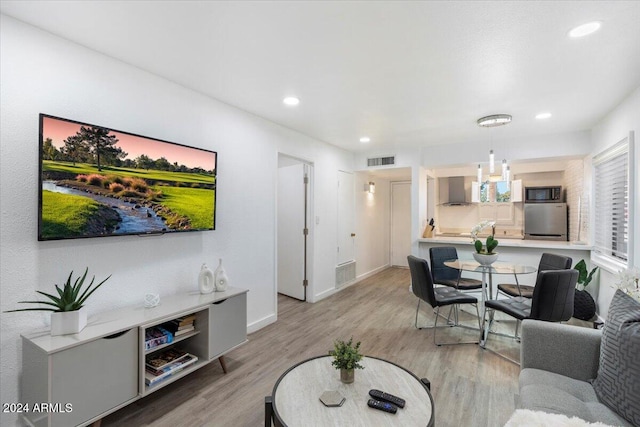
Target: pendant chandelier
[[495, 120]]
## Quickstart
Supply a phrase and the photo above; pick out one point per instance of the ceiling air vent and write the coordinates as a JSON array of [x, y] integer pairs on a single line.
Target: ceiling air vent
[[381, 161]]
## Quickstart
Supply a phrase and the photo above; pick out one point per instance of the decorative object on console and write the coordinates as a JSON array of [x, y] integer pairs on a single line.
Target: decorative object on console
[[628, 282], [67, 316], [584, 307], [222, 280], [206, 280], [346, 357], [151, 300], [485, 254]]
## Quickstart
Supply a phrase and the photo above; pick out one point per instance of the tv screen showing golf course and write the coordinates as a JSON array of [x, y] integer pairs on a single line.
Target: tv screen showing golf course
[[96, 181]]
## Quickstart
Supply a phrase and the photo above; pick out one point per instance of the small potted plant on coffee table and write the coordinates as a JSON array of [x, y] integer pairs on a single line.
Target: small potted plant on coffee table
[[69, 315], [346, 357]]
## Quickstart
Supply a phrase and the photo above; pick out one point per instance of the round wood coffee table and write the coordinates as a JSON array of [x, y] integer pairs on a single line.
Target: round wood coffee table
[[296, 395]]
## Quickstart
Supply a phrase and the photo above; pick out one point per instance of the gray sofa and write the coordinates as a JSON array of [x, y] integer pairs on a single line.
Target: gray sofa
[[557, 362]]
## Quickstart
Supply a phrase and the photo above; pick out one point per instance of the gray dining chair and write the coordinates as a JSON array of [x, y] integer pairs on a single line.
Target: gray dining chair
[[423, 288], [547, 262], [447, 276], [552, 301]]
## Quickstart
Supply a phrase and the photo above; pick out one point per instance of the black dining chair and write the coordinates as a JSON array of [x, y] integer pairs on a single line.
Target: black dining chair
[[547, 262], [423, 288], [443, 275], [552, 301]]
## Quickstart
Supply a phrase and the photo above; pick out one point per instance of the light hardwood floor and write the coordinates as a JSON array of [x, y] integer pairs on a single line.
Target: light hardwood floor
[[470, 386]]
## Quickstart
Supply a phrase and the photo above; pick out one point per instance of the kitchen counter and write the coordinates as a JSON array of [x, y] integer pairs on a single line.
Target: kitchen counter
[[510, 242], [524, 252]]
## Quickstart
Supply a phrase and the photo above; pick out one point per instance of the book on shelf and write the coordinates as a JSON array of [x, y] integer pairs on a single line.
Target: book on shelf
[[155, 336], [178, 328], [164, 358], [185, 320], [184, 331], [153, 376]]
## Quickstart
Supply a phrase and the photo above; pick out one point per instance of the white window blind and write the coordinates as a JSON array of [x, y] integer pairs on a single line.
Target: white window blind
[[611, 193]]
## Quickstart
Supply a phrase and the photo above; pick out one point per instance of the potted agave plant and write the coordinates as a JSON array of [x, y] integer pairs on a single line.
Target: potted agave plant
[[68, 314], [346, 357], [485, 254]]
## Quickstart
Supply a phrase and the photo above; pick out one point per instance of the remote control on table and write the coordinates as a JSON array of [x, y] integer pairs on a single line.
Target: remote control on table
[[383, 406], [386, 397]]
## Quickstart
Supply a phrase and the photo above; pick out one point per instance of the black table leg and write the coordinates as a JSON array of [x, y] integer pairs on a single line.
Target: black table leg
[[268, 411]]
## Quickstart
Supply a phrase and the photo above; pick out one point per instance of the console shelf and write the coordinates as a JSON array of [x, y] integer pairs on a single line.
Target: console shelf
[[102, 368]]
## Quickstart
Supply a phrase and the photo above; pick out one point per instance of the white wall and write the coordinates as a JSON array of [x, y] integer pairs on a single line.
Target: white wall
[[611, 129], [372, 225], [42, 73]]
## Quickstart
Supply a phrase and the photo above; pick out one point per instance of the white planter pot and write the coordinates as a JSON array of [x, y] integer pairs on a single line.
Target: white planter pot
[[484, 259], [68, 322]]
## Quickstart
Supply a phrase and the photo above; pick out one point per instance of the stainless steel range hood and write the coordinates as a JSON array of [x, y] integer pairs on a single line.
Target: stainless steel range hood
[[452, 191]]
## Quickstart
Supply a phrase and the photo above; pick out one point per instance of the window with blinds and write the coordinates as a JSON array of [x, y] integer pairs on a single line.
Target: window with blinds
[[611, 198]]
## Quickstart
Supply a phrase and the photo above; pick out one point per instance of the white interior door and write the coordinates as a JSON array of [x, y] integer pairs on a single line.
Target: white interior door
[[292, 209], [400, 223], [346, 220]]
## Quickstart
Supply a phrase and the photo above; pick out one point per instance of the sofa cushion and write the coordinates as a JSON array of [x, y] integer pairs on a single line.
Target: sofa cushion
[[581, 390], [618, 382], [546, 391]]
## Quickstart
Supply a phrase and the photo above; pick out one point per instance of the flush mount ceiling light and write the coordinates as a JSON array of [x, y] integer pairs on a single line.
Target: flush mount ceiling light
[[365, 139], [494, 120], [291, 101], [542, 116], [585, 29]]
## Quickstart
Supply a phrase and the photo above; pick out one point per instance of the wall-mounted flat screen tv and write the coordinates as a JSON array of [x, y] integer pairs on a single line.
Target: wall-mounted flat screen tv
[[96, 181]]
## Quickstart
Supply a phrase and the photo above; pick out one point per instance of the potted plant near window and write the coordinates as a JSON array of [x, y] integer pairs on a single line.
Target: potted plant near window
[[68, 314], [485, 254], [346, 357], [584, 307]]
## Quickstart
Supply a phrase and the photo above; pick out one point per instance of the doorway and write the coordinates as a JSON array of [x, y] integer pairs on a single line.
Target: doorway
[[294, 212]]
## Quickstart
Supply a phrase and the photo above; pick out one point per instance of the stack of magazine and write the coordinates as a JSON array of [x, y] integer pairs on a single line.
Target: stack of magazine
[[166, 363]]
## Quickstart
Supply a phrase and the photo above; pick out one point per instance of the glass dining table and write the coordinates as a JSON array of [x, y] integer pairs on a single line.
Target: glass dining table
[[487, 276]]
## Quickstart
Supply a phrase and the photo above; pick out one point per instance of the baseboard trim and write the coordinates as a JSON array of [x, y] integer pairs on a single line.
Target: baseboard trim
[[371, 273], [259, 324]]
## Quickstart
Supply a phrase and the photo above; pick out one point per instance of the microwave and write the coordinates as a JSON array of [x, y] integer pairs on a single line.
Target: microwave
[[543, 194]]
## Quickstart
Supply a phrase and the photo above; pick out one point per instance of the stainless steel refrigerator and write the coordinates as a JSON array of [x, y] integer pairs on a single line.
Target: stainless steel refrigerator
[[545, 221]]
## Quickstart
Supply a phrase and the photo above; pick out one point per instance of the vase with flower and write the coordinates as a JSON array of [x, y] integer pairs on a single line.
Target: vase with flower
[[485, 253]]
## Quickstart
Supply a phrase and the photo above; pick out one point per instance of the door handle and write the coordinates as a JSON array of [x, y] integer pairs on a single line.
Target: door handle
[[353, 234]]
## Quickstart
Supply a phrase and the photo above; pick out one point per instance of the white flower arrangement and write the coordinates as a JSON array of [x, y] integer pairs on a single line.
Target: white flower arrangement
[[481, 226], [628, 282], [491, 242]]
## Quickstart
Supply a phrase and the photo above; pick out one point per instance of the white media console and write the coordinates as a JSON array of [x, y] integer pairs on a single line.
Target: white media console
[[84, 377]]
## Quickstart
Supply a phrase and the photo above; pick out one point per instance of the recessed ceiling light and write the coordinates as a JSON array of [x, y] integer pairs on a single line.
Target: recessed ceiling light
[[365, 139], [585, 29], [291, 100], [494, 120], [543, 116]]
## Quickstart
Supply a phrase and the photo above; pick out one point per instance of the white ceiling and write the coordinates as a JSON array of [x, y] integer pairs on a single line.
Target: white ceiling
[[402, 73]]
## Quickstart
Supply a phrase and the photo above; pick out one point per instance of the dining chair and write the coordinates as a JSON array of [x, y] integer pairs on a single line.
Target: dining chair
[[423, 287], [552, 301], [443, 275], [547, 262]]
